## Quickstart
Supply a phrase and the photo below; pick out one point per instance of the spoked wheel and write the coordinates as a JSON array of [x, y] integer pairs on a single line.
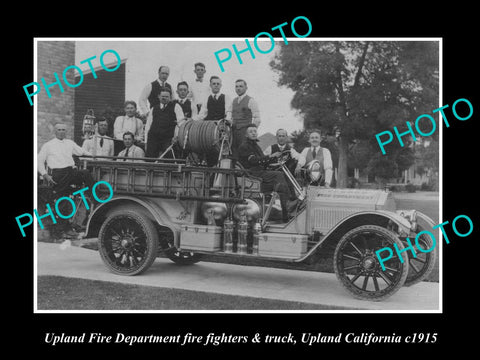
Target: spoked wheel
[[422, 265], [357, 266], [177, 256], [128, 241]]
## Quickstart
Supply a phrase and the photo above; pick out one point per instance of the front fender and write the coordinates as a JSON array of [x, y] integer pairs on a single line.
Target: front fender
[[382, 218], [157, 214]]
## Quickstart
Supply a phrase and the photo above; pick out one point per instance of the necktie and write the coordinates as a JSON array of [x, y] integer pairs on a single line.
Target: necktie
[[101, 142], [126, 154], [314, 152], [215, 97]]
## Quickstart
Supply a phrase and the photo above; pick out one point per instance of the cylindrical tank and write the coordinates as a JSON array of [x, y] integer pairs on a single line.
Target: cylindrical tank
[[217, 209], [251, 210], [200, 136], [257, 231], [228, 235], [242, 234]]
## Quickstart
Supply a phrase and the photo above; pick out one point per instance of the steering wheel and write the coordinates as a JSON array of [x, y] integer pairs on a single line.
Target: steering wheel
[[285, 155]]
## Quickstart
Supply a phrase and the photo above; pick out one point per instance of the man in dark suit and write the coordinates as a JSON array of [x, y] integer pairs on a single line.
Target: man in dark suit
[[252, 158]]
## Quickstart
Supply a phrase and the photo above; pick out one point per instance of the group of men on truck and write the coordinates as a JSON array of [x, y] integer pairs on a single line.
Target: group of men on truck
[[164, 115]]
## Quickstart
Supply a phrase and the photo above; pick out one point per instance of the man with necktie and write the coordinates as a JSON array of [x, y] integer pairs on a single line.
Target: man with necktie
[[103, 146], [316, 152], [199, 87], [163, 124], [189, 110], [252, 158], [131, 150], [150, 95], [218, 105]]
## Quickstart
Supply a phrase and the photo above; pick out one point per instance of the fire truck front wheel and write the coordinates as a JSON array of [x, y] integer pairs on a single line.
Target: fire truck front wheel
[[358, 268], [128, 241]]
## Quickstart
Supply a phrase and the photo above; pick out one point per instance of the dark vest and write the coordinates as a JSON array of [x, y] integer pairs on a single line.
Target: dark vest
[[163, 121], [154, 97], [241, 113], [276, 148], [215, 108], [186, 107]]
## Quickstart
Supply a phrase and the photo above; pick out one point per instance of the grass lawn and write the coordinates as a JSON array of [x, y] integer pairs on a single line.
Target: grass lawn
[[61, 293]]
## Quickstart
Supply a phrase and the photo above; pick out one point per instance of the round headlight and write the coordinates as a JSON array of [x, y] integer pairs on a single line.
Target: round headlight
[[314, 171]]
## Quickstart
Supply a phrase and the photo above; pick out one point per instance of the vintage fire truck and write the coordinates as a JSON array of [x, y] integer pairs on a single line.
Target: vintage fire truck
[[186, 210]]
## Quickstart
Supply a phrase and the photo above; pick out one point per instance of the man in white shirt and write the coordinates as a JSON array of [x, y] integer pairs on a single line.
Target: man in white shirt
[[131, 150], [315, 152], [150, 95], [217, 105], [199, 87], [103, 146], [129, 122], [57, 154], [283, 145], [244, 112]]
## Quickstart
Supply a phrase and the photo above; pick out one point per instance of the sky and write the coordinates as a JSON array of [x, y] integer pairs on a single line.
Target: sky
[[143, 58]]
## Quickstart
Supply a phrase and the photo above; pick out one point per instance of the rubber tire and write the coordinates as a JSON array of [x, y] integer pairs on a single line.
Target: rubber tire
[[430, 266], [353, 290], [149, 229]]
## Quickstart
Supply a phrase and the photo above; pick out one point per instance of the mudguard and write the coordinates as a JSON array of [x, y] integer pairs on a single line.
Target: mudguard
[[361, 218], [155, 211]]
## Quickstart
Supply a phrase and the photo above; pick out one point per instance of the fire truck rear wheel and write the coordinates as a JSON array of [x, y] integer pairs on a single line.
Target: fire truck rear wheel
[[128, 241], [358, 268]]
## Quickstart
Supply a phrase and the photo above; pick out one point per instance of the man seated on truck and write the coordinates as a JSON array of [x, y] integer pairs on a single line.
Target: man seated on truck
[[252, 158], [316, 152], [131, 150], [61, 172]]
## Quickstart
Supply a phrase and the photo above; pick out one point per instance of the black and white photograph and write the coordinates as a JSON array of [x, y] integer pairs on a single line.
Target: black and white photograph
[[264, 181]]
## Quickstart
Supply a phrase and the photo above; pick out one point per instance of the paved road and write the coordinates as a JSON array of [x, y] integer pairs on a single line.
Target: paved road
[[281, 284]]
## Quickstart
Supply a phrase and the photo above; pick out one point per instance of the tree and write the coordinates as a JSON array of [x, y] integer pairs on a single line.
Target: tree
[[358, 89]]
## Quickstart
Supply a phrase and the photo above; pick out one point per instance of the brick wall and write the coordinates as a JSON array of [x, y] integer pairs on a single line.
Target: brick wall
[[105, 95], [55, 56]]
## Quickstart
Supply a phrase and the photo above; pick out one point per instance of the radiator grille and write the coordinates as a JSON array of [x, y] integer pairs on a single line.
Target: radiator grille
[[326, 218]]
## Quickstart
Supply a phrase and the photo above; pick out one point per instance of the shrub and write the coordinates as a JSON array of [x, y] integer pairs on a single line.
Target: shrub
[[410, 188]]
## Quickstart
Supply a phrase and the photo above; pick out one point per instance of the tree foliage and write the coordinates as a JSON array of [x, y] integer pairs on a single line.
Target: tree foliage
[[358, 89]]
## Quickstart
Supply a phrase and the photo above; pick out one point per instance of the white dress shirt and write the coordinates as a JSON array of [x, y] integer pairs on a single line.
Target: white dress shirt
[[178, 113], [105, 150], [125, 123], [200, 90], [133, 152], [58, 154], [143, 103], [327, 161], [204, 111], [253, 106]]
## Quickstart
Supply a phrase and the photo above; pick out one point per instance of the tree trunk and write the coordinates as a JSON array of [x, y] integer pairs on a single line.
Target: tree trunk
[[342, 163]]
